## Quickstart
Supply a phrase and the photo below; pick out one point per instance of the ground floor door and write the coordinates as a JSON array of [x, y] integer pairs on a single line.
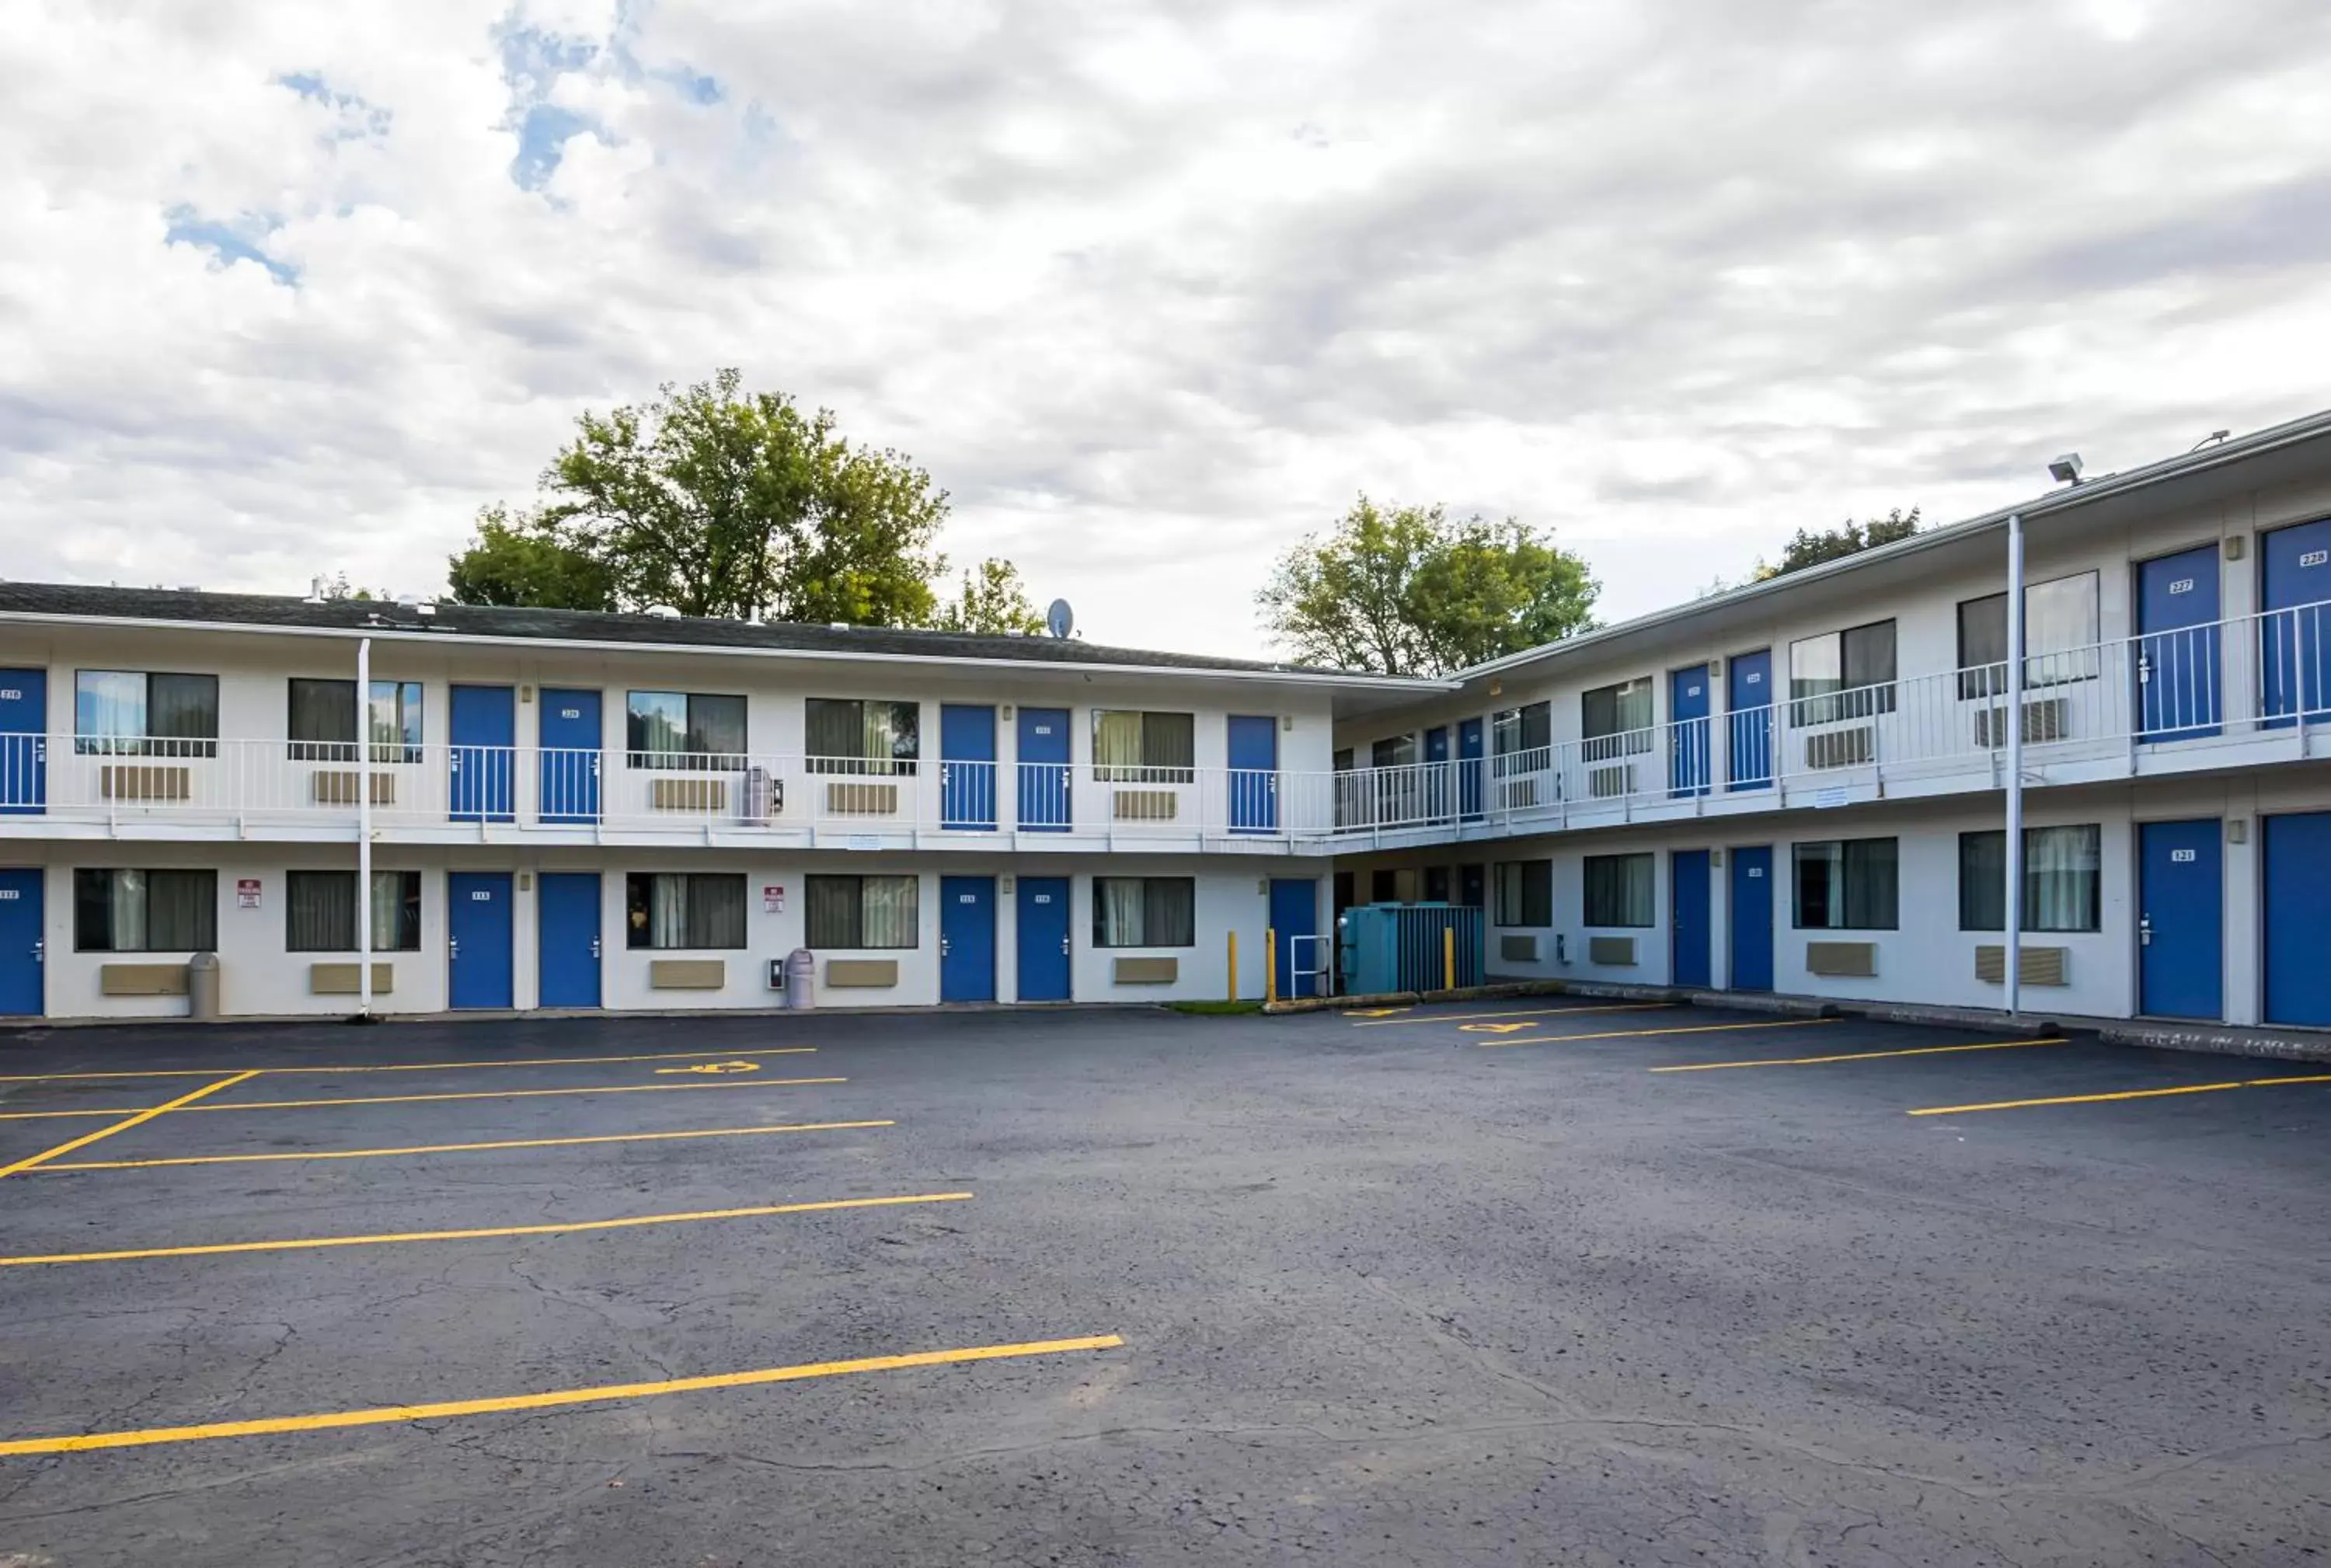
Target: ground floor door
[[2298, 918], [1295, 912], [1688, 912], [1751, 911], [2181, 919], [478, 938], [23, 947], [1044, 950], [967, 938], [567, 921]]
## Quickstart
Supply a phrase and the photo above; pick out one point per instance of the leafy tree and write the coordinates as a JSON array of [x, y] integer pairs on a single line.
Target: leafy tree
[[718, 502], [1808, 549], [1409, 590], [993, 601]]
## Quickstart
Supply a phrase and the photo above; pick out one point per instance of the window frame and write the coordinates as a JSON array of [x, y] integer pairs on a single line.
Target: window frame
[[1510, 732], [1596, 871], [1531, 893], [405, 700], [405, 938], [1376, 752], [690, 756], [1970, 886], [1151, 887], [1149, 771], [1609, 736], [1850, 699], [862, 764], [825, 881], [639, 906], [84, 878], [145, 742], [1854, 860], [2059, 665]]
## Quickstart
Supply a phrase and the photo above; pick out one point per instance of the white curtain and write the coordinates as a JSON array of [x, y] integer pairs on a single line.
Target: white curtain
[[668, 911], [391, 912], [127, 916], [1117, 745], [1117, 912], [108, 709], [889, 910], [2060, 878]]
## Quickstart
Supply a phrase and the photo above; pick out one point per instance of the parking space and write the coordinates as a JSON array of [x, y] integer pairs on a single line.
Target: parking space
[[1546, 1281]]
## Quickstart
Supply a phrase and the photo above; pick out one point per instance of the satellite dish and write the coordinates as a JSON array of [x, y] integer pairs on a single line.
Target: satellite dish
[[1058, 619]]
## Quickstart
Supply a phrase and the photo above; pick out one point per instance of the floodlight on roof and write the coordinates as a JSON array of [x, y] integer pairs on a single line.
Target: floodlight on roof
[[2065, 470]]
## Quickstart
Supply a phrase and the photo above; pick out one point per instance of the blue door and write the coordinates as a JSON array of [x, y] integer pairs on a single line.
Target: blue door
[[567, 921], [23, 943], [2294, 643], [966, 768], [2177, 646], [1254, 774], [484, 781], [1748, 711], [1441, 800], [1044, 939], [1295, 912], [24, 741], [477, 937], [967, 938], [1472, 887], [1751, 919], [1468, 770], [1687, 756], [570, 734], [1044, 770], [1688, 914], [2182, 903], [2298, 905]]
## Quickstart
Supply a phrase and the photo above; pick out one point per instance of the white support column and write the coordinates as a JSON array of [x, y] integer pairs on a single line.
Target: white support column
[[2014, 720], [364, 828]]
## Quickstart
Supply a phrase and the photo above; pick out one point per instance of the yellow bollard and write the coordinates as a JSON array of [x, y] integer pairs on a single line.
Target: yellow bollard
[[1270, 966], [1233, 967], [1449, 957]]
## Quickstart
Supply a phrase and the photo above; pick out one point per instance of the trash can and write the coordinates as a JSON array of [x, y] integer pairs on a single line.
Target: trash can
[[801, 979], [202, 987]]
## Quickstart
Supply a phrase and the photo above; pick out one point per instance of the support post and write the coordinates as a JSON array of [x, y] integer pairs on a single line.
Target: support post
[[1270, 966], [364, 828], [1449, 957], [2014, 719]]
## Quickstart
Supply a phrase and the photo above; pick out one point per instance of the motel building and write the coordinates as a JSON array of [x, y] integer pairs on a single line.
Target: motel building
[[1796, 787]]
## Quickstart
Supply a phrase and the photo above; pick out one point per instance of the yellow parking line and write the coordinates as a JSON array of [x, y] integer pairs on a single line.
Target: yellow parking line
[[406, 1066], [2127, 1094], [1516, 1013], [42, 1159], [479, 1093], [604, 1393], [1645, 1034], [456, 1148], [216, 1249], [1851, 1056]]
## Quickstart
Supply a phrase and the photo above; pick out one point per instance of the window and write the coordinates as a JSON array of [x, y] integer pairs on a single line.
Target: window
[[1617, 720], [847, 912], [684, 909], [1145, 912], [849, 736], [1144, 748], [324, 720], [2059, 637], [145, 911], [1525, 892], [320, 911], [685, 729], [1518, 733], [1394, 751], [1847, 885], [1343, 761], [1842, 675], [2061, 879], [1619, 890], [1384, 886], [127, 713]]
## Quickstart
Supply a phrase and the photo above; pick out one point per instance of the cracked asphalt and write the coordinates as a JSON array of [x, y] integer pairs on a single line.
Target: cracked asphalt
[[1391, 1291]]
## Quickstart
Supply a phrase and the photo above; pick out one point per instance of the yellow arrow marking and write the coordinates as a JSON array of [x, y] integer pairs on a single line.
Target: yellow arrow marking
[[1493, 1028], [711, 1066]]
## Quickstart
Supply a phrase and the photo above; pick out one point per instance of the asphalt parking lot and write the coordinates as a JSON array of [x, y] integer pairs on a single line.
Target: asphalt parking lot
[[1521, 1283]]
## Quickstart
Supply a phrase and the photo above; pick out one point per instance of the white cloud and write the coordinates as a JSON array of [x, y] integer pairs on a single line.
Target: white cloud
[[1153, 290]]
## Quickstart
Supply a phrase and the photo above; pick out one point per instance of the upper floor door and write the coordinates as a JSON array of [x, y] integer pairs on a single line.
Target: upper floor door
[[967, 767], [483, 763], [2294, 643], [1469, 769], [24, 741], [2177, 654], [570, 735], [1688, 751], [1254, 774], [1440, 792], [1043, 755], [1748, 714]]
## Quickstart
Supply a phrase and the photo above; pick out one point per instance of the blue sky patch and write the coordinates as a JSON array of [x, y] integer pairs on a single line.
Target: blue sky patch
[[229, 243]]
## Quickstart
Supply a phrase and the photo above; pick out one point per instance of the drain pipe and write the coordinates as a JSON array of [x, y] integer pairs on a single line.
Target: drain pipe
[[2015, 944], [364, 829]]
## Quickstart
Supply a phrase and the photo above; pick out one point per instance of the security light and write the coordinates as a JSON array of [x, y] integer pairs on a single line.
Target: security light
[[2065, 470]]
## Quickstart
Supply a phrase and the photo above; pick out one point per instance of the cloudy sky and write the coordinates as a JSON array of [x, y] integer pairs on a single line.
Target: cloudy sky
[[1153, 287]]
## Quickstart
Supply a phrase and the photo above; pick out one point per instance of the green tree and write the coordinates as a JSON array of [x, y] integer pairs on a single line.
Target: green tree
[[992, 601], [1808, 549], [717, 502], [1409, 590]]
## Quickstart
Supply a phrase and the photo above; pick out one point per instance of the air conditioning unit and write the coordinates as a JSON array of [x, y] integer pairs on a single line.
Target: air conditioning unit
[[1841, 748], [2049, 718], [764, 796], [1611, 783]]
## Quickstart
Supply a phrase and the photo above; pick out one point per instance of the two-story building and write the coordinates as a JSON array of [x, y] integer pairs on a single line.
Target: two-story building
[[1796, 786]]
